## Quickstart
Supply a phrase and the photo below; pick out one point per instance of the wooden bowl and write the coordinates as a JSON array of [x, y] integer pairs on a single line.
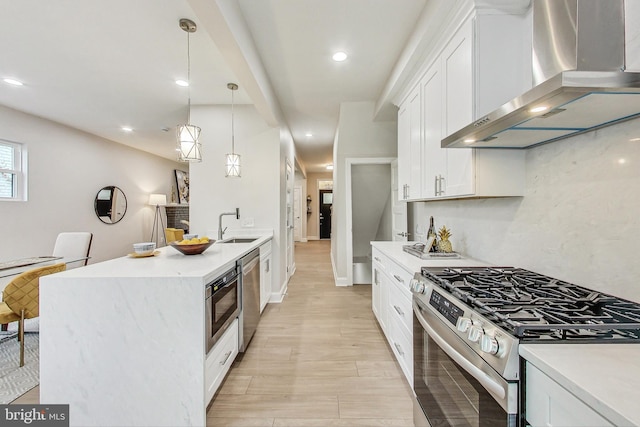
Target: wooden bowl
[[193, 249]]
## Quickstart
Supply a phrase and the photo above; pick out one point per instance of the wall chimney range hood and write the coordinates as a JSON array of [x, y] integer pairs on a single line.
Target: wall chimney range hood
[[579, 79]]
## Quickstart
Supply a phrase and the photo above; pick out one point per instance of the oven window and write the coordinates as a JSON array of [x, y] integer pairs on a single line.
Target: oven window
[[451, 397], [225, 302]]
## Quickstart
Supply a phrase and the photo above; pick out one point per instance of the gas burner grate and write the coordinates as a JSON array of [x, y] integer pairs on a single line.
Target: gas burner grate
[[536, 307]]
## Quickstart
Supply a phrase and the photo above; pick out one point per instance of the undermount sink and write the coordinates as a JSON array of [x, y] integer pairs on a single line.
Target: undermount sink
[[239, 240]]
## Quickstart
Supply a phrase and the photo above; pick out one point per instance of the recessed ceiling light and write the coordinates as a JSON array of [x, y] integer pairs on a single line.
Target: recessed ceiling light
[[13, 82], [308, 134], [127, 129], [634, 140], [182, 83], [622, 161], [538, 109], [329, 167], [339, 56]]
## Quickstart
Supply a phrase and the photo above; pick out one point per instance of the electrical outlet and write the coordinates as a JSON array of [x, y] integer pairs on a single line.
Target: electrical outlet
[[246, 222]]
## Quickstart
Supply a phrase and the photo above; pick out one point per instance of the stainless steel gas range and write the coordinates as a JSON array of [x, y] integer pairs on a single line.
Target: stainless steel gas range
[[469, 322]]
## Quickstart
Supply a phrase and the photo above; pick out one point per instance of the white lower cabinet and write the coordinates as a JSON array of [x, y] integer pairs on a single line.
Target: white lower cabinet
[[548, 404], [219, 360], [391, 304], [265, 274]]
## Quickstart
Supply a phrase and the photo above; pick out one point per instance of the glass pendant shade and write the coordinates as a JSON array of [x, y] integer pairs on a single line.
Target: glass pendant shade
[[233, 166], [189, 147]]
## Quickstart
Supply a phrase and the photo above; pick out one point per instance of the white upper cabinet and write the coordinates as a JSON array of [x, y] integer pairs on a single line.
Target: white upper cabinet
[[480, 67], [410, 152]]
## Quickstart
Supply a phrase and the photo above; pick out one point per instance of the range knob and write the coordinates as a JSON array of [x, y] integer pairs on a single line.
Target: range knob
[[489, 344], [463, 324], [475, 333], [417, 286]]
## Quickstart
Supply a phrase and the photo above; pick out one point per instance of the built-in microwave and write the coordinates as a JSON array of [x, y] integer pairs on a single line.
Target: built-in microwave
[[222, 305]]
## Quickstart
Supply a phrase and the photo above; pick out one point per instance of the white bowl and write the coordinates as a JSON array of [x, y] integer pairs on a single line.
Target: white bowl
[[144, 248]]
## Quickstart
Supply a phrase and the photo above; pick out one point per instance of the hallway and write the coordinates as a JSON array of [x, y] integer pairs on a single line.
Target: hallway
[[317, 359]]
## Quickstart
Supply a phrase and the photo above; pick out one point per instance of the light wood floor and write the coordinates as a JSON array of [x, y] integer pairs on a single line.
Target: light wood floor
[[317, 359]]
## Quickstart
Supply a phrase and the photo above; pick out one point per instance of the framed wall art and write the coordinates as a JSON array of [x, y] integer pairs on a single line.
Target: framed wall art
[[182, 186]]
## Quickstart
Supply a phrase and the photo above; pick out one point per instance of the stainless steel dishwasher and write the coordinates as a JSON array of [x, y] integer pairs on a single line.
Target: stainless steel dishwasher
[[250, 312]]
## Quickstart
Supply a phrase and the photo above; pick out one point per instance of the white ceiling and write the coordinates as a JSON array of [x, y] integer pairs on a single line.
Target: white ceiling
[[101, 65]]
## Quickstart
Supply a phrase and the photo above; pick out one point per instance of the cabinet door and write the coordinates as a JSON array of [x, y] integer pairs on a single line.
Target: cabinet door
[[380, 296], [548, 404], [265, 280], [404, 155], [415, 117], [457, 69], [434, 157]]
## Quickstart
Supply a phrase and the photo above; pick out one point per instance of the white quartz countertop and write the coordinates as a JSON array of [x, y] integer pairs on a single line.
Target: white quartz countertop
[[413, 264], [171, 263], [604, 376]]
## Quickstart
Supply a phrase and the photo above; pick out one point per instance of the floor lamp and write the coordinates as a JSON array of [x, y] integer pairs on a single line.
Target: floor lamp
[[157, 200]]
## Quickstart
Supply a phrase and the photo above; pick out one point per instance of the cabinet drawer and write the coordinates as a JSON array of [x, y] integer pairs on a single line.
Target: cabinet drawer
[[380, 261], [401, 278], [220, 359], [400, 308], [265, 249], [402, 345]]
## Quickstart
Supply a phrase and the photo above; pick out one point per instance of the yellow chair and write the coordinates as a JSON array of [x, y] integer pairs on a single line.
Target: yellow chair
[[21, 299], [173, 234]]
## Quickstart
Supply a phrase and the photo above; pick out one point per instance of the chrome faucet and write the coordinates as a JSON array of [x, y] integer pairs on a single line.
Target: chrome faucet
[[220, 230]]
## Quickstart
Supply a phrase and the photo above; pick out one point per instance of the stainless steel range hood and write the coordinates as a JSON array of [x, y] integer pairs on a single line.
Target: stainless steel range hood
[[579, 82]]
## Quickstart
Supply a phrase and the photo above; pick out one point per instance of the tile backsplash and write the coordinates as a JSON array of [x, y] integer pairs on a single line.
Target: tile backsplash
[[578, 221]]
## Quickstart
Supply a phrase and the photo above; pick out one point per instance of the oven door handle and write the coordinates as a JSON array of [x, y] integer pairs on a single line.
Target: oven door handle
[[486, 381]]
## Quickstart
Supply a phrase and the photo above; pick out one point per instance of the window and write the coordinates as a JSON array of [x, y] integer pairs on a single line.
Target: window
[[12, 171]]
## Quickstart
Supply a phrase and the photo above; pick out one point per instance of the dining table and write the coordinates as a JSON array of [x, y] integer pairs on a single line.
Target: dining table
[[11, 268]]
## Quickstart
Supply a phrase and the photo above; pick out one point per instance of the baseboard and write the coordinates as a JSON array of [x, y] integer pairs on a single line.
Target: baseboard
[[278, 297], [303, 240], [339, 281], [313, 238]]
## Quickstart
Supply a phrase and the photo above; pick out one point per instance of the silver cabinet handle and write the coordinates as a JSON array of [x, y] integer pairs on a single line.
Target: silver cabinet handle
[[435, 185], [403, 234], [377, 259], [226, 357], [400, 312], [398, 278], [400, 352], [442, 184]]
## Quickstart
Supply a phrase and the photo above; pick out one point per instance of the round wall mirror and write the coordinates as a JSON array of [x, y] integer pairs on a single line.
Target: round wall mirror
[[110, 204]]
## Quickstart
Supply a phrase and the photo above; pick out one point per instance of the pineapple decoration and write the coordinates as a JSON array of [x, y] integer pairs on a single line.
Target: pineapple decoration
[[444, 245]]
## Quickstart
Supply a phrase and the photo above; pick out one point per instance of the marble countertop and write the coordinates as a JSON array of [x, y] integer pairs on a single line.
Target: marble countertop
[[171, 263], [604, 376], [413, 264]]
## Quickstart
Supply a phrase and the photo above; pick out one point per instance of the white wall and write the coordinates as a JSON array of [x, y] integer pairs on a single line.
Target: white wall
[[67, 167], [579, 219], [357, 136], [257, 192]]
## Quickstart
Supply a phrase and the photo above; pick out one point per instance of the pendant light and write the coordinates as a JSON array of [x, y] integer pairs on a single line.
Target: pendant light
[[233, 159], [189, 146]]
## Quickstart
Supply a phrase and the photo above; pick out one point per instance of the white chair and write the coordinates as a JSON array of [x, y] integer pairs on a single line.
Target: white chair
[[73, 245]]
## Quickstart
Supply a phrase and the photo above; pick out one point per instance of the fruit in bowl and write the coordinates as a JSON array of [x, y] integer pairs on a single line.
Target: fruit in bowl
[[193, 246]]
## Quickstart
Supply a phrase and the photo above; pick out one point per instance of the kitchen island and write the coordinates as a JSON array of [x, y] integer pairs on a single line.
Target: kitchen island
[[123, 341]]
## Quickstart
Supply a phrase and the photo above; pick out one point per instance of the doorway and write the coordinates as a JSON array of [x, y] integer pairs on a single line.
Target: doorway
[[326, 203]]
